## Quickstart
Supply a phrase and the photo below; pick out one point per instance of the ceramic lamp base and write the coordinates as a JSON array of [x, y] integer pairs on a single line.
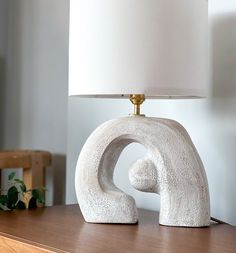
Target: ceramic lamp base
[[172, 168]]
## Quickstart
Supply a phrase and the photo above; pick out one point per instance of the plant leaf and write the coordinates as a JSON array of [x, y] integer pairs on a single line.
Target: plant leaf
[[3, 199], [11, 176], [44, 189], [4, 208], [32, 203], [12, 196], [21, 184], [38, 195], [21, 205]]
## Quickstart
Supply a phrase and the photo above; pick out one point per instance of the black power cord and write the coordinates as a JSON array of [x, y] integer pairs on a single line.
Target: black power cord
[[219, 221]]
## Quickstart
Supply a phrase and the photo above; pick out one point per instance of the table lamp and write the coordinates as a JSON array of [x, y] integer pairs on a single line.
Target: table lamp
[[140, 49]]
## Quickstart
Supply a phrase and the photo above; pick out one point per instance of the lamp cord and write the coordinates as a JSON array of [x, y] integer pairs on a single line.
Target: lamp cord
[[219, 221]]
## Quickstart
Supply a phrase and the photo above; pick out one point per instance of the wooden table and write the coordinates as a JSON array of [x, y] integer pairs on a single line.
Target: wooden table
[[62, 229]]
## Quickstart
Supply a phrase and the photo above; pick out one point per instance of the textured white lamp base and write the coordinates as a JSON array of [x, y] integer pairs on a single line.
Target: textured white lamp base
[[172, 168]]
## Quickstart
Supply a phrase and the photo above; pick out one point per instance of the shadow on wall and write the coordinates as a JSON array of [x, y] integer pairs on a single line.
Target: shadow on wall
[[224, 57], [223, 108], [2, 99], [59, 178]]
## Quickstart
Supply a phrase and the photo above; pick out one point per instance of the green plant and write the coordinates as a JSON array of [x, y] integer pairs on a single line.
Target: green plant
[[19, 197]]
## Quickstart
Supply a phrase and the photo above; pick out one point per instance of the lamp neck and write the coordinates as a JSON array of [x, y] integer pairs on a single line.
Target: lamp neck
[[137, 100]]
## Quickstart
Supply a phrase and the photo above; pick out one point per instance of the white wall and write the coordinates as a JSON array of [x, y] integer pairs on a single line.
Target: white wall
[[36, 91], [210, 122]]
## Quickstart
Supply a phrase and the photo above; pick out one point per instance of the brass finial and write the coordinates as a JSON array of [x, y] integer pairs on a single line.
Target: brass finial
[[137, 100]]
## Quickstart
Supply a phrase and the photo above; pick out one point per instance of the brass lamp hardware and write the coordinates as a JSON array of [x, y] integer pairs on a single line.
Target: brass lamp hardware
[[137, 100]]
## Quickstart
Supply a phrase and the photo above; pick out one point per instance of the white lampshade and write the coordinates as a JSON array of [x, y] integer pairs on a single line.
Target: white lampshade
[[152, 47]]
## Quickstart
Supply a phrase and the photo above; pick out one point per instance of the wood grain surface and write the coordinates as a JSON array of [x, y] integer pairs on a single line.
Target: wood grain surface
[[33, 163], [62, 229], [8, 245]]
